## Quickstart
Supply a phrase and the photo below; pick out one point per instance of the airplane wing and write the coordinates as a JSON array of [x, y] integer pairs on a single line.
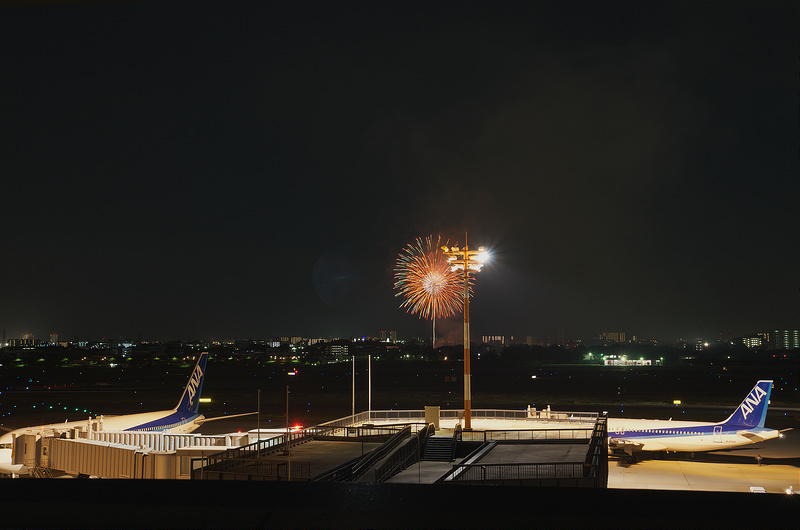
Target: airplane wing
[[630, 446], [205, 420]]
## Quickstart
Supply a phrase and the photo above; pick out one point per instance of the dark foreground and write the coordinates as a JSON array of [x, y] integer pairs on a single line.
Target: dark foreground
[[226, 504]]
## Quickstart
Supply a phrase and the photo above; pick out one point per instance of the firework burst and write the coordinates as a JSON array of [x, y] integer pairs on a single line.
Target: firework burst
[[424, 278]]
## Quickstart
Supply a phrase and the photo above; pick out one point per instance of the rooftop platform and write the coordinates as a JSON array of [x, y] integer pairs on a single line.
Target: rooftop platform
[[504, 447]]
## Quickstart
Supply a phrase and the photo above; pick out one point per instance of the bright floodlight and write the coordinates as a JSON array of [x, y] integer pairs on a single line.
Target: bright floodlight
[[464, 259]]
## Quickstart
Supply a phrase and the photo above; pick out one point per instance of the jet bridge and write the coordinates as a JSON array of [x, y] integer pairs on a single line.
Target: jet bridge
[[125, 454]]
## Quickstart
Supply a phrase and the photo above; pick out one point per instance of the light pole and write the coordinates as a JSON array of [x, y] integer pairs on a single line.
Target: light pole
[[288, 441], [466, 260]]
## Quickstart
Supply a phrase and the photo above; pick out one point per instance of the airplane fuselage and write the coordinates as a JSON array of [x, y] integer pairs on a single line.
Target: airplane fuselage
[[663, 435], [745, 426]]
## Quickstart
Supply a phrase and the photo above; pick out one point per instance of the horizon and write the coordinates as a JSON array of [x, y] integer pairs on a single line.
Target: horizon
[[503, 340]]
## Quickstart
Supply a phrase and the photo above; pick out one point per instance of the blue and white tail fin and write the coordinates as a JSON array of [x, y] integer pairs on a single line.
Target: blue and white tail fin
[[753, 410], [190, 400]]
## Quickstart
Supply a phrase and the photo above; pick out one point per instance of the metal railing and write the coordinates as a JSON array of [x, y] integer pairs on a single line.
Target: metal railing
[[458, 414], [596, 461], [373, 457], [405, 456], [567, 435], [347, 421], [458, 435], [227, 461], [405, 415], [503, 473], [256, 469], [592, 472], [353, 469]]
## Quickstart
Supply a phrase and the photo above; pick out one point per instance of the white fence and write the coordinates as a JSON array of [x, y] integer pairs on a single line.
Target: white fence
[[156, 441], [418, 416]]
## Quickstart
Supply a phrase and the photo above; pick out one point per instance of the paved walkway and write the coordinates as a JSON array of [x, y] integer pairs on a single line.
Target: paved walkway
[[423, 472], [325, 455], [429, 472]]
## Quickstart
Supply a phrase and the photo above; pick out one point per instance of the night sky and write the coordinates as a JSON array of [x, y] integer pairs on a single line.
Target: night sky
[[234, 169]]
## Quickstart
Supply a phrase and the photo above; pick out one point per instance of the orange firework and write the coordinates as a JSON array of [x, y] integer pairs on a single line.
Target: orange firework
[[424, 277]]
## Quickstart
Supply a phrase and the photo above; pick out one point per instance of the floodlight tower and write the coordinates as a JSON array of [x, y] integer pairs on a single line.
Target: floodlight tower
[[468, 261]]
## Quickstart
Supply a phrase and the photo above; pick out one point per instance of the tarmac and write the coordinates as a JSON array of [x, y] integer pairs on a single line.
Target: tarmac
[[687, 475]]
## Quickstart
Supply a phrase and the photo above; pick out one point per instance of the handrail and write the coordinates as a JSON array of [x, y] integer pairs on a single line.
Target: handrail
[[374, 456], [255, 449], [517, 471], [472, 457], [485, 435], [405, 455], [455, 414], [456, 439], [352, 469]]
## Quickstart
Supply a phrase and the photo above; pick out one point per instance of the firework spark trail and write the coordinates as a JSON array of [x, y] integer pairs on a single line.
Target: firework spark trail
[[424, 278]]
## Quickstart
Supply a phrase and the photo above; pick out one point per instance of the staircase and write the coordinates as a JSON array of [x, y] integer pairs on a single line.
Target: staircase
[[439, 449], [41, 472]]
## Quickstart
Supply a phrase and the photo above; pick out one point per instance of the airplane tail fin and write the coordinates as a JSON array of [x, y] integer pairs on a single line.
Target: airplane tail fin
[[190, 399], [753, 410]]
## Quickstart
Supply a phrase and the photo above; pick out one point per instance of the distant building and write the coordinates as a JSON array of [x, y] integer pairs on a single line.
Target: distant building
[[496, 340], [615, 336], [337, 350], [754, 341], [614, 360], [54, 338], [389, 336], [784, 339], [22, 343]]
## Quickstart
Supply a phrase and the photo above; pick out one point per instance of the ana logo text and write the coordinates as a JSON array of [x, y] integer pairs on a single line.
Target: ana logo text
[[752, 399], [193, 382]]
